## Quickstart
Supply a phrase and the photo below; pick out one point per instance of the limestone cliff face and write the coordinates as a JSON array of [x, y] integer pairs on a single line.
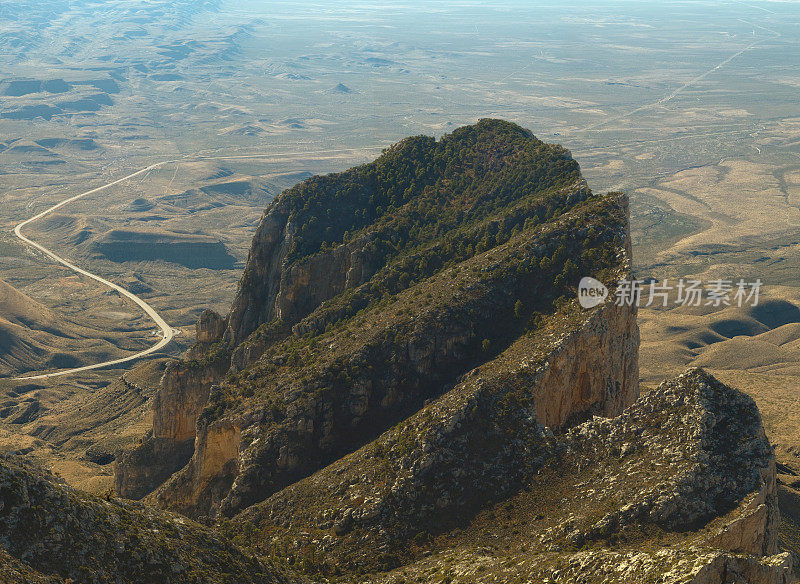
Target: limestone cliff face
[[754, 529], [351, 390], [254, 303], [182, 395], [210, 327], [593, 369], [273, 289], [203, 483]]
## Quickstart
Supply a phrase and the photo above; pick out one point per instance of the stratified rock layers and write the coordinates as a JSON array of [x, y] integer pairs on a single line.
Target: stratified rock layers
[[460, 269], [589, 367]]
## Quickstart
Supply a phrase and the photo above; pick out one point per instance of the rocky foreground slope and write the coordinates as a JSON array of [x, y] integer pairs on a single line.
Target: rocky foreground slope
[[406, 389], [679, 488], [49, 533]]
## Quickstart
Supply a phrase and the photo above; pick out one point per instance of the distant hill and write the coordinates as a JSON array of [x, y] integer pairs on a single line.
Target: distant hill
[[342, 89], [35, 338], [28, 330]]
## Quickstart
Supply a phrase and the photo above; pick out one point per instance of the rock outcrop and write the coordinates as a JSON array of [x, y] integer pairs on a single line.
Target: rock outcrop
[[210, 327], [342, 245], [352, 389], [592, 369], [182, 395], [273, 290], [51, 533]]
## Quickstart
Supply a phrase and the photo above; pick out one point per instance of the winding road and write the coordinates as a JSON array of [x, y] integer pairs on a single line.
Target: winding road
[[167, 332]]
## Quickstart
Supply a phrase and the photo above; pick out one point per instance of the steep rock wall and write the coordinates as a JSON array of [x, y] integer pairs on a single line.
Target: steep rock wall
[[210, 471], [182, 395], [755, 528], [271, 289], [593, 370], [413, 351]]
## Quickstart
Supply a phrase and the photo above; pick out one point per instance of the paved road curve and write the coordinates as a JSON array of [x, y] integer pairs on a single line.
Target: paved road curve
[[166, 330]]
